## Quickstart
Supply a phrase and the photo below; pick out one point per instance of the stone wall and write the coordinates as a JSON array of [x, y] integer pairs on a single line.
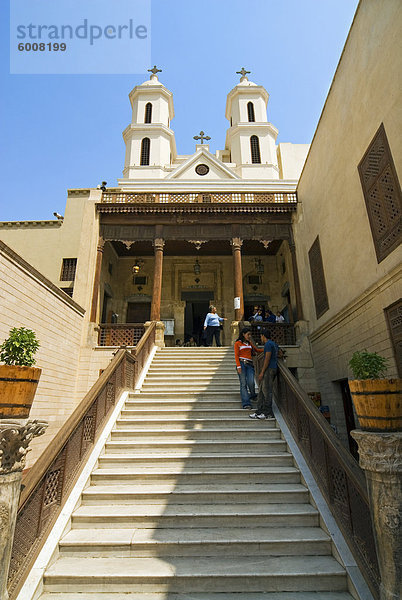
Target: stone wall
[[365, 92], [29, 300]]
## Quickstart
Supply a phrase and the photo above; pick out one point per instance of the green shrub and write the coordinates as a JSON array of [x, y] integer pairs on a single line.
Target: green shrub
[[368, 365], [19, 348]]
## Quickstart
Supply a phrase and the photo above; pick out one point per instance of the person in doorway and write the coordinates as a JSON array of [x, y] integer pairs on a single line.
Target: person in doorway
[[271, 317], [243, 349], [191, 343], [212, 327], [280, 318], [266, 378]]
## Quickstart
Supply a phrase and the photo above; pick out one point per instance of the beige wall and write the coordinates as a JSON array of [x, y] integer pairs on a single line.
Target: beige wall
[[366, 91], [29, 300]]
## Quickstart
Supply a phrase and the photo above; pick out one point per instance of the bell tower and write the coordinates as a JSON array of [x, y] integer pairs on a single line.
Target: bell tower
[[150, 143], [250, 139]]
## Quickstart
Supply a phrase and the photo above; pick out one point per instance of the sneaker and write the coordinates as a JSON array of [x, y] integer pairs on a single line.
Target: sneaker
[[248, 406], [256, 415]]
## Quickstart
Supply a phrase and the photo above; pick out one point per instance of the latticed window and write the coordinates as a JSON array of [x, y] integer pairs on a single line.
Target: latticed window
[[68, 269], [382, 194], [318, 279], [255, 149], [145, 148], [250, 112], [394, 320], [148, 112]]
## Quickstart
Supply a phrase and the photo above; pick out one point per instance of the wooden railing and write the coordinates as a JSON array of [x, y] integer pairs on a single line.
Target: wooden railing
[[48, 484], [199, 197], [341, 480], [121, 334], [283, 334]]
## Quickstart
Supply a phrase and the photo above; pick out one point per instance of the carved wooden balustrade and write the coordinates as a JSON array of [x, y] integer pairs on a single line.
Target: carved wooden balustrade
[[199, 197], [341, 480], [48, 484], [283, 334], [116, 334]]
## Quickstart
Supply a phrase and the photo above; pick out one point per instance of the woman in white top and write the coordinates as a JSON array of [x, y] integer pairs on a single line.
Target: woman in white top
[[212, 327]]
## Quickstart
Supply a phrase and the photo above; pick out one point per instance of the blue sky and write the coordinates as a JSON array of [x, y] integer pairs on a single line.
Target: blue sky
[[64, 131]]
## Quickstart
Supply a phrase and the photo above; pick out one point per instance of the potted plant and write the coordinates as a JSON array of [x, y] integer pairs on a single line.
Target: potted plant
[[18, 378], [377, 400]]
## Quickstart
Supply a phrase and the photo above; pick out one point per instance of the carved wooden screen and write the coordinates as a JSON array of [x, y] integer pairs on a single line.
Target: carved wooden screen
[[318, 279], [394, 319], [68, 269], [382, 194]]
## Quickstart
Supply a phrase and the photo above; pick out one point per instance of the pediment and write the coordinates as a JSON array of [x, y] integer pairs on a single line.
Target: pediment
[[216, 169]]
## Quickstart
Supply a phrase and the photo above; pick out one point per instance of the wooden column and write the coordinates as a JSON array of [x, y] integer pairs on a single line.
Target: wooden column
[[296, 282], [95, 291], [238, 276], [157, 287]]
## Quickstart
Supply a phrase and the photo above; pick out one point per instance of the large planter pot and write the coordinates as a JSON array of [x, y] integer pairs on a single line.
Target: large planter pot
[[378, 403], [17, 390]]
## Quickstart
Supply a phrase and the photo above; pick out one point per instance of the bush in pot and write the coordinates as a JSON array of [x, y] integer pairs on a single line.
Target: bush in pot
[[18, 378], [377, 400]]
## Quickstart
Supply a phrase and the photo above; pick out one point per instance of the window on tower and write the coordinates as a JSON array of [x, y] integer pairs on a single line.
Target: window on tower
[[255, 149], [250, 112], [145, 148], [148, 113]]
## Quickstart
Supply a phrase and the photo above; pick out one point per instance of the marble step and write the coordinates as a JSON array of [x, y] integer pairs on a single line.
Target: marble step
[[198, 596], [182, 404], [242, 422], [196, 446], [264, 430], [212, 493], [189, 460], [226, 476], [196, 542], [174, 516], [187, 394], [213, 574], [194, 413]]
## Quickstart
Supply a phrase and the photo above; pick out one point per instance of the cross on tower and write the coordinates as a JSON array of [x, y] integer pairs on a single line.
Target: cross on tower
[[243, 72], [202, 137], [155, 70]]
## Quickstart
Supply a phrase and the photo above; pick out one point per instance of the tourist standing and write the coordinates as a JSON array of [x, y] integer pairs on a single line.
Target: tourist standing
[[212, 327], [243, 349], [266, 378]]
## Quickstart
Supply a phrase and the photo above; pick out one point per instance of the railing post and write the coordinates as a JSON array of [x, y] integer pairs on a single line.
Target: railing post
[[381, 458], [14, 441]]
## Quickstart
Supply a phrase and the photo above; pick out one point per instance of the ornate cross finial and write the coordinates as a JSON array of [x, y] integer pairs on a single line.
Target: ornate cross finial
[[202, 137], [155, 70], [243, 72]]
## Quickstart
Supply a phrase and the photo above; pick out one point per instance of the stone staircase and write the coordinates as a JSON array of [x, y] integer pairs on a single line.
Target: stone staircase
[[192, 500]]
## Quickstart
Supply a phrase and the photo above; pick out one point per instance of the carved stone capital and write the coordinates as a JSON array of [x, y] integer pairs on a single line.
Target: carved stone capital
[[379, 452], [14, 441], [236, 243], [158, 244], [101, 245]]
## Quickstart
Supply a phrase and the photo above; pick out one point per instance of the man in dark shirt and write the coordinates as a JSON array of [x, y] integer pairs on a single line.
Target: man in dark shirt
[[266, 378]]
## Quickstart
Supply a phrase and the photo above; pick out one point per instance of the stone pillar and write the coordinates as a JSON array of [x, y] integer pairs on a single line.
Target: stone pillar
[[234, 331], [238, 276], [296, 282], [95, 291], [159, 333], [157, 287], [381, 458], [14, 441]]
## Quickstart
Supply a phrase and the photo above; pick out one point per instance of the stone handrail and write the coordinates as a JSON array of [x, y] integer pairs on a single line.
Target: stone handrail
[[340, 478], [47, 485]]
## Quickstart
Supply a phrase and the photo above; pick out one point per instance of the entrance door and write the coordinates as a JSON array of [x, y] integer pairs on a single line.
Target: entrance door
[[197, 305], [138, 312]]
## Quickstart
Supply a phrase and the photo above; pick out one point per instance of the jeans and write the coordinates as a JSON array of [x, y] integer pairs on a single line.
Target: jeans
[[246, 376], [264, 402], [212, 332]]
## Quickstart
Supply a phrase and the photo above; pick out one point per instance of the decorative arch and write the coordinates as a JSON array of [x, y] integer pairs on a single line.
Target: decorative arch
[[255, 149], [145, 151], [250, 112], [148, 113]]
